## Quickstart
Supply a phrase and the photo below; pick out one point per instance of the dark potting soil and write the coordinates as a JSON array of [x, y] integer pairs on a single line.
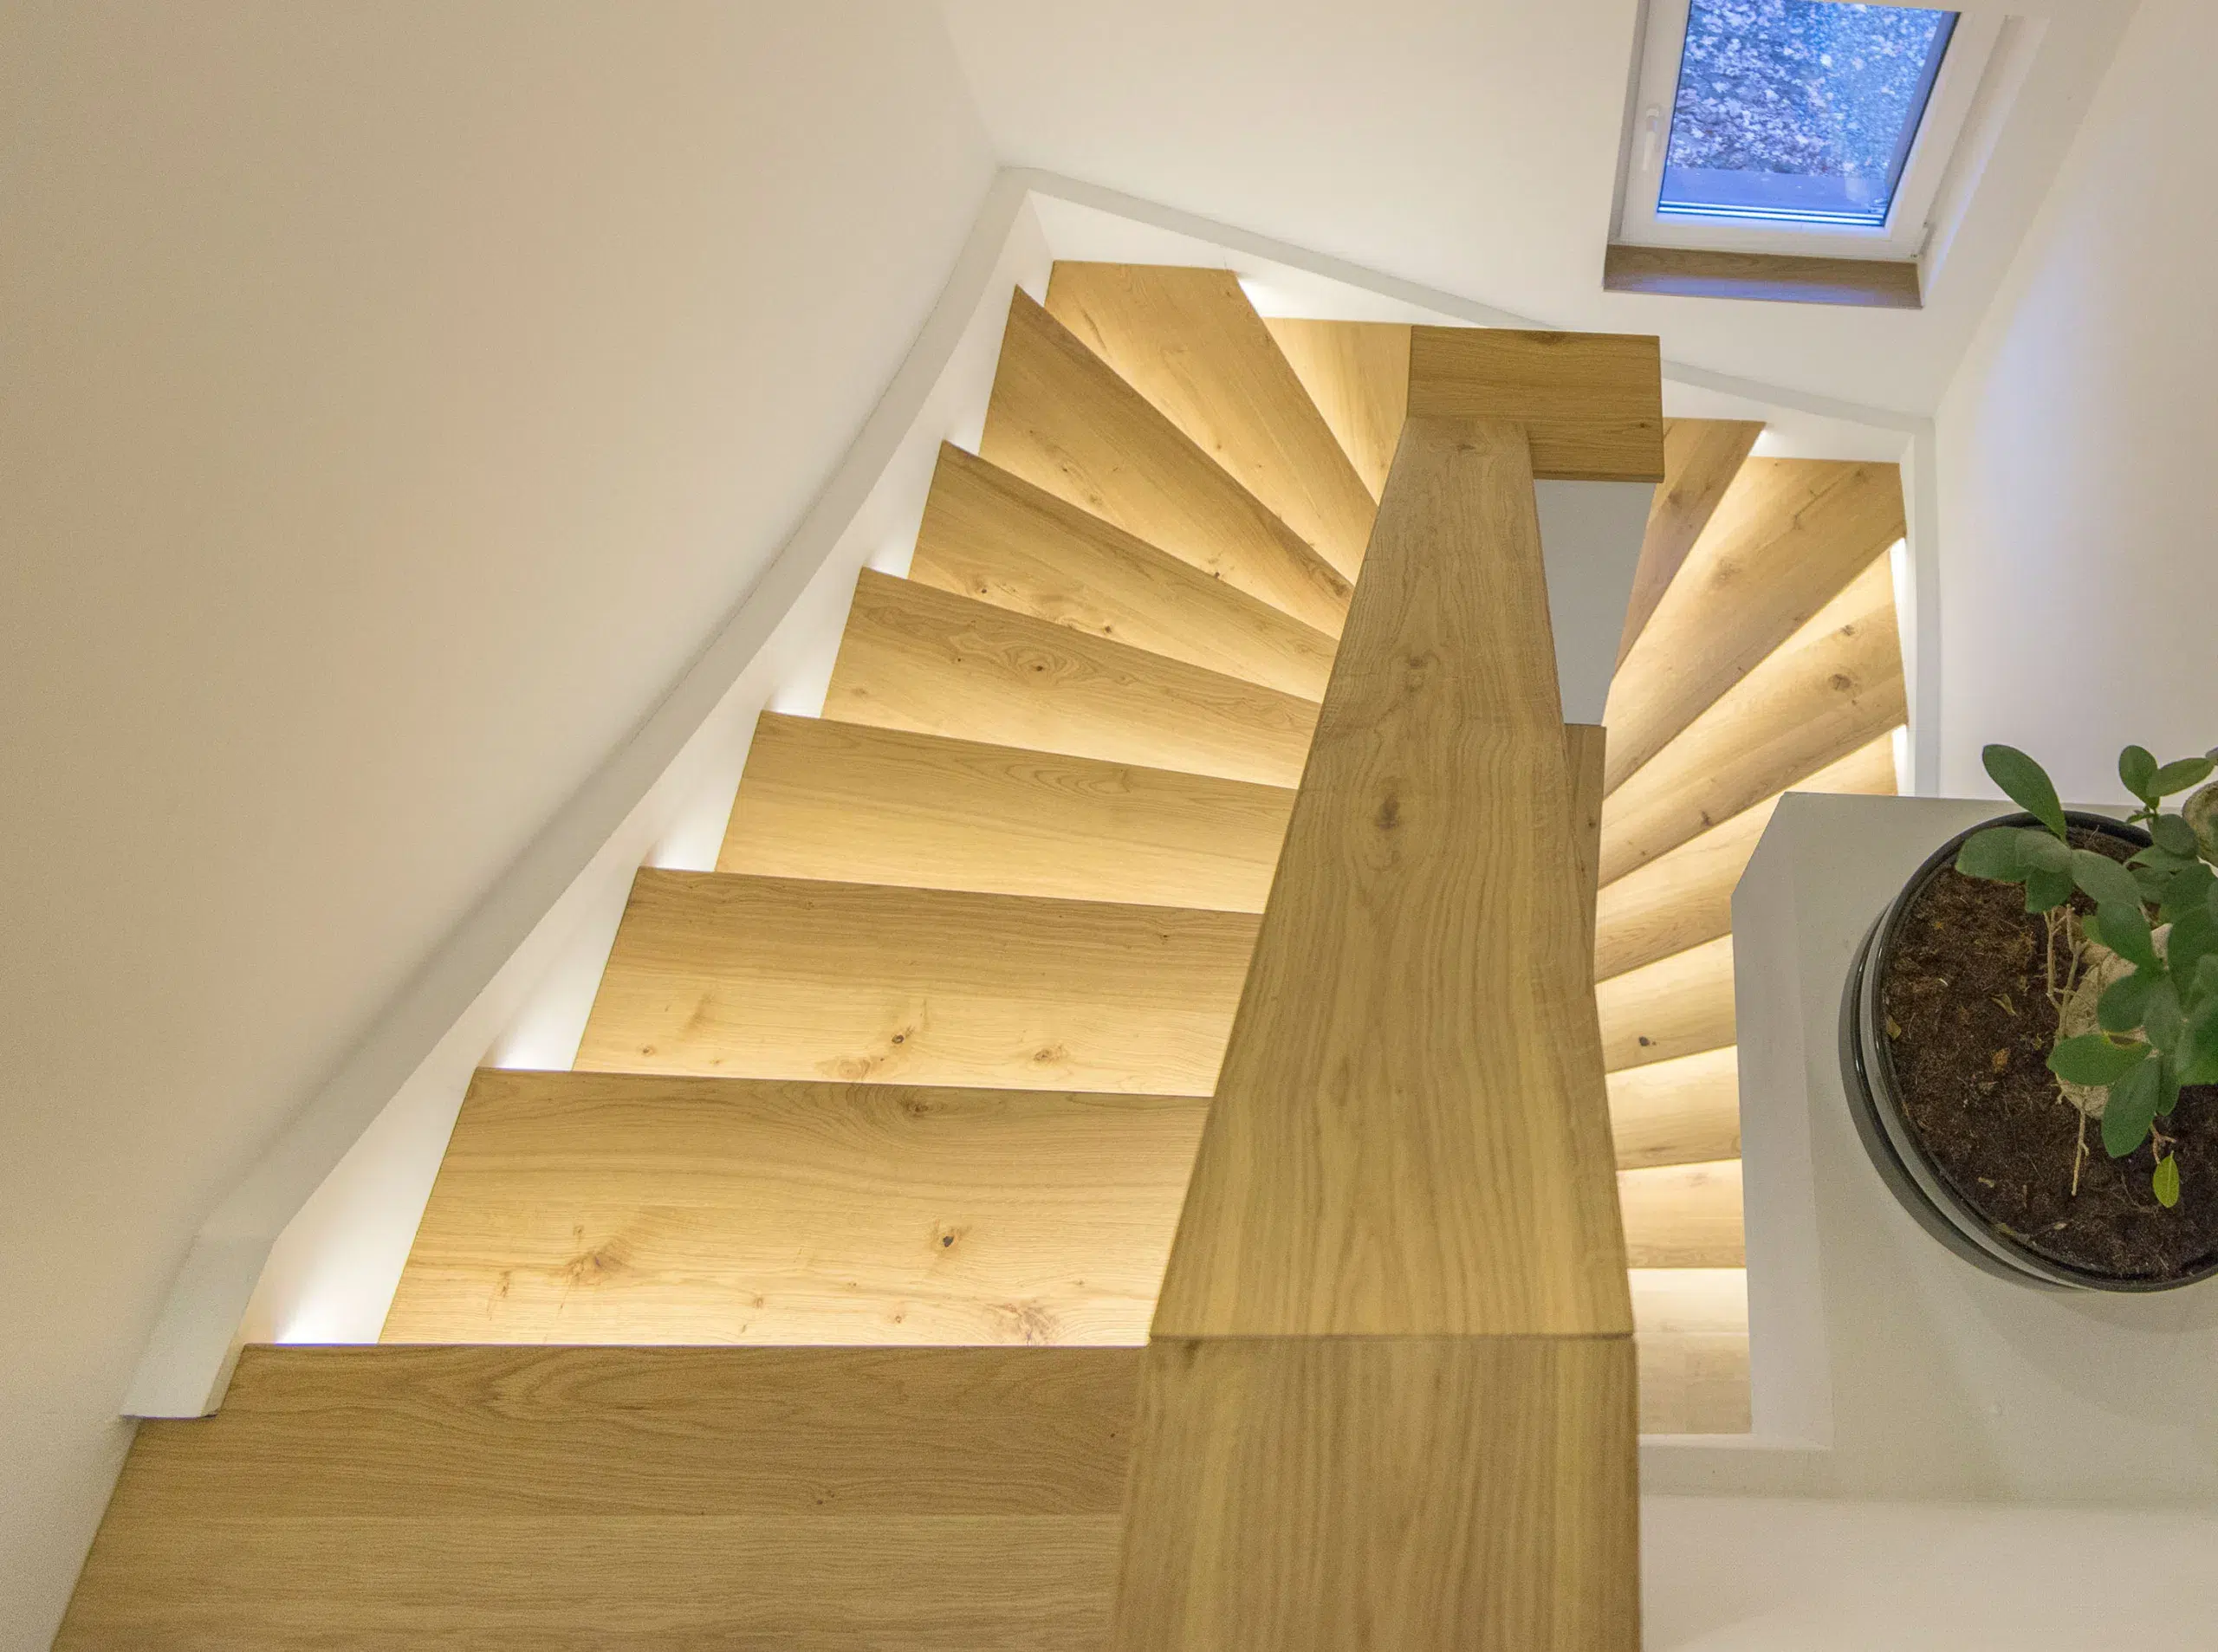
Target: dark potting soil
[[1969, 1026]]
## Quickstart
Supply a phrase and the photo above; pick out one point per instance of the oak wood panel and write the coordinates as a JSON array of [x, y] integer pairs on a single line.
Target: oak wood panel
[[1061, 418], [1832, 687], [790, 978], [1674, 1007], [1424, 923], [1591, 404], [914, 657], [864, 805], [1685, 897], [586, 1497], [1585, 748], [1693, 1346], [1350, 1494], [1682, 1215], [1189, 341], [1680, 1112], [1358, 375], [592, 1207], [996, 538], [1789, 534], [1785, 278], [1701, 458]]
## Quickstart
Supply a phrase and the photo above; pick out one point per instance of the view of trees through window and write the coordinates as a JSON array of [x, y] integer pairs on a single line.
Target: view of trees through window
[[1799, 109]]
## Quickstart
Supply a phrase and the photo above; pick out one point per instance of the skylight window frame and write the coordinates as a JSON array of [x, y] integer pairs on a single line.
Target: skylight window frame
[[1903, 236]]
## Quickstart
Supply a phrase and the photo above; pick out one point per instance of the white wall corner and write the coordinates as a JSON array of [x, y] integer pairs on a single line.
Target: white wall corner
[[1590, 534]]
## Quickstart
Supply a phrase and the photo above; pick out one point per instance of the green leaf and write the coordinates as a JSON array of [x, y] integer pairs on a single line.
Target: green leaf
[[2205, 985], [2104, 880], [2160, 1016], [2156, 885], [1993, 854], [2132, 1107], [2124, 928], [2188, 891], [2039, 851], [2094, 1060], [2172, 777], [2175, 836], [2194, 937], [2165, 1184], [2046, 890], [2137, 766], [2160, 860], [2168, 1086], [2199, 1065], [2119, 1009], [2026, 783]]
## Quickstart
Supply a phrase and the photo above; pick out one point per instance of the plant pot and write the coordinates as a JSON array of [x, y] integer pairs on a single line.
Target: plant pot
[[1965, 1095]]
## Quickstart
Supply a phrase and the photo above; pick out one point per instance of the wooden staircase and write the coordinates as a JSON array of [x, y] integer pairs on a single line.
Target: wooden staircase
[[906, 1094]]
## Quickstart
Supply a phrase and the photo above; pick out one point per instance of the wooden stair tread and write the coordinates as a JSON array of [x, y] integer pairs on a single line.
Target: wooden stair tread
[[1684, 1111], [1789, 535], [1189, 341], [792, 978], [624, 1208], [1684, 896], [1694, 1349], [566, 1498], [1061, 418], [854, 803], [1677, 1005], [1356, 374], [1682, 1215], [995, 537], [917, 657], [1834, 686], [1701, 458]]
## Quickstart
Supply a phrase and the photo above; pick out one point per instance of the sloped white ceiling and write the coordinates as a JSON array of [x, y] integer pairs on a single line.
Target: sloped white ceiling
[[1472, 145]]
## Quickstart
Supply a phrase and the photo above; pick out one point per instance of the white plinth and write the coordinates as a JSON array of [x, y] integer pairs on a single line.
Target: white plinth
[[1882, 1365]]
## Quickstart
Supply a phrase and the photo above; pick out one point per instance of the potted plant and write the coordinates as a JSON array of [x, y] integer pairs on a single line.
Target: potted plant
[[2029, 1034]]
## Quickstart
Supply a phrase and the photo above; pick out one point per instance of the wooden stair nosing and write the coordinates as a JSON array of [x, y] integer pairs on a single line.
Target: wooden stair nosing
[[861, 803], [1189, 341], [1061, 418], [793, 978], [1832, 687], [917, 657], [1677, 1005], [996, 538], [1356, 374], [1701, 458]]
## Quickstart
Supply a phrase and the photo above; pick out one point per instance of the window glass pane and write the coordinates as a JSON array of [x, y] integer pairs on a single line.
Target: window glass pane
[[1798, 110]]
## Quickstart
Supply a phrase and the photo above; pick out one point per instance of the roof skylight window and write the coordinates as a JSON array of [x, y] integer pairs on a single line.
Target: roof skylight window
[[1798, 110], [1815, 128]]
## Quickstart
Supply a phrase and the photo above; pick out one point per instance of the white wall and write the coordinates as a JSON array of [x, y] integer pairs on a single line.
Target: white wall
[[396, 398], [2079, 593]]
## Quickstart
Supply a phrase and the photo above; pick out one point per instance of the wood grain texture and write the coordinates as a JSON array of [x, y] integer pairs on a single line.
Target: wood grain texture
[[856, 804], [1685, 1111], [1351, 1495], [996, 538], [1189, 341], [1358, 375], [1789, 534], [592, 1207], [579, 1497], [1685, 897], [1410, 1135], [913, 657], [1694, 1349], [1677, 1006], [1591, 404], [789, 978], [1701, 458], [1061, 418], [1783, 278], [1832, 687], [1682, 1215], [1585, 748]]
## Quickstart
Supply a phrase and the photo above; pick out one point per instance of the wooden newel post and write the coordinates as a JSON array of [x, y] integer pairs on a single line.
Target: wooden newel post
[[1389, 1404]]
